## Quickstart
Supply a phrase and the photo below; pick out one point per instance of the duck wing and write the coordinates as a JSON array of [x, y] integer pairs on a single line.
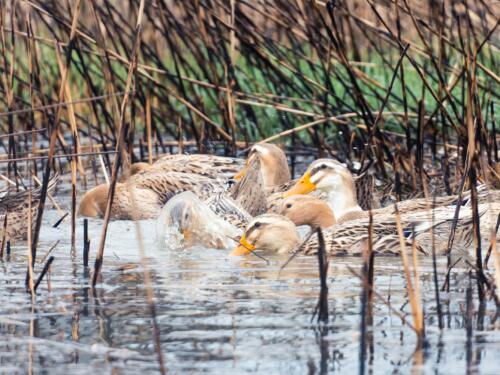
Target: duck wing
[[229, 209], [167, 184], [200, 164], [12, 200]]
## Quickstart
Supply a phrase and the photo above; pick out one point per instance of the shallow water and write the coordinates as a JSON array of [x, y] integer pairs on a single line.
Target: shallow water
[[222, 315]]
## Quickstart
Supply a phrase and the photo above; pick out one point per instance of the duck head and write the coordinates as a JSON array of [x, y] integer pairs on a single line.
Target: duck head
[[270, 233], [308, 210], [273, 164]]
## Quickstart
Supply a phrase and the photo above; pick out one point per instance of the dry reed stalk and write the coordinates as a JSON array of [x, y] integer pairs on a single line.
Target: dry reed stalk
[[51, 157], [71, 114], [24, 132], [45, 108], [119, 147], [103, 168], [148, 129], [416, 308], [60, 212], [148, 284], [53, 136], [490, 248], [73, 205], [180, 140], [4, 236], [49, 251], [30, 284], [384, 301]]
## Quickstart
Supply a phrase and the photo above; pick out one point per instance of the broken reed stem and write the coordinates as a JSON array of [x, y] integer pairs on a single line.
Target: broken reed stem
[[44, 271], [322, 306], [412, 292], [86, 243], [31, 261], [486, 282], [4, 235], [58, 222], [384, 301], [366, 294]]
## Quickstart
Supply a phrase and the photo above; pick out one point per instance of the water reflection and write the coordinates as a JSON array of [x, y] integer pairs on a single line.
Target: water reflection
[[224, 315]]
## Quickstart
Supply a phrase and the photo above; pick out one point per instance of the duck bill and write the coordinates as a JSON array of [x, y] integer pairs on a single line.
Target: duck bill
[[243, 248], [238, 176], [303, 186], [186, 234]]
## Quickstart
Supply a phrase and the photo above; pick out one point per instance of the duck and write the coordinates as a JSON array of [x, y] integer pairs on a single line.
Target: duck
[[135, 168], [308, 210], [14, 210], [338, 187], [185, 221], [279, 234], [273, 163], [276, 234], [250, 191], [153, 185], [143, 195]]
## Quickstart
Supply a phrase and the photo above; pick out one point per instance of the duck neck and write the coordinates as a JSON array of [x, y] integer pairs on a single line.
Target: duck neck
[[343, 203], [289, 244], [274, 172]]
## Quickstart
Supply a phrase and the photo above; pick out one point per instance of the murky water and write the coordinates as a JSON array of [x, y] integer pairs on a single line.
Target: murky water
[[222, 315]]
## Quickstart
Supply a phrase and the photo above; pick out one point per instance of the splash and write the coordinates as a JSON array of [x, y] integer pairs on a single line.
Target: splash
[[185, 221]]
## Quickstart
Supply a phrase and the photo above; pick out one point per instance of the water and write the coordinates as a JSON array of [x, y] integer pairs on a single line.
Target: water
[[222, 315]]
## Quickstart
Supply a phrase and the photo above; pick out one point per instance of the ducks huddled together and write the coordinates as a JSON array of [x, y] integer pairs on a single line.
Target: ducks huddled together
[[196, 197]]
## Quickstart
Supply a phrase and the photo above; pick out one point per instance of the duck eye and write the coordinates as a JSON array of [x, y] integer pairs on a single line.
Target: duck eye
[[322, 166], [288, 205], [257, 225]]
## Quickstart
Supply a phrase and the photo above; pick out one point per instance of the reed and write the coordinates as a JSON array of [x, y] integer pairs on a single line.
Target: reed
[[404, 90], [321, 310], [413, 286]]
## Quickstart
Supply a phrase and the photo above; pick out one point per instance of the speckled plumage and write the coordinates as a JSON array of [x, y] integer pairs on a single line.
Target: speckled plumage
[[210, 166], [350, 237], [15, 207]]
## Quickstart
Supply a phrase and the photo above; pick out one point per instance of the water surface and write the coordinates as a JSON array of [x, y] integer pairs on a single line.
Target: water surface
[[223, 315]]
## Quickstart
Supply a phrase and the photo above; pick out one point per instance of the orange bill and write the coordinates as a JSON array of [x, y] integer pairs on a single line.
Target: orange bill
[[243, 248], [238, 176], [303, 186], [187, 235]]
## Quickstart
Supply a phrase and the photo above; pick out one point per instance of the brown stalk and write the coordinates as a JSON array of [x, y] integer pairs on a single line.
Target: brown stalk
[[413, 293]]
